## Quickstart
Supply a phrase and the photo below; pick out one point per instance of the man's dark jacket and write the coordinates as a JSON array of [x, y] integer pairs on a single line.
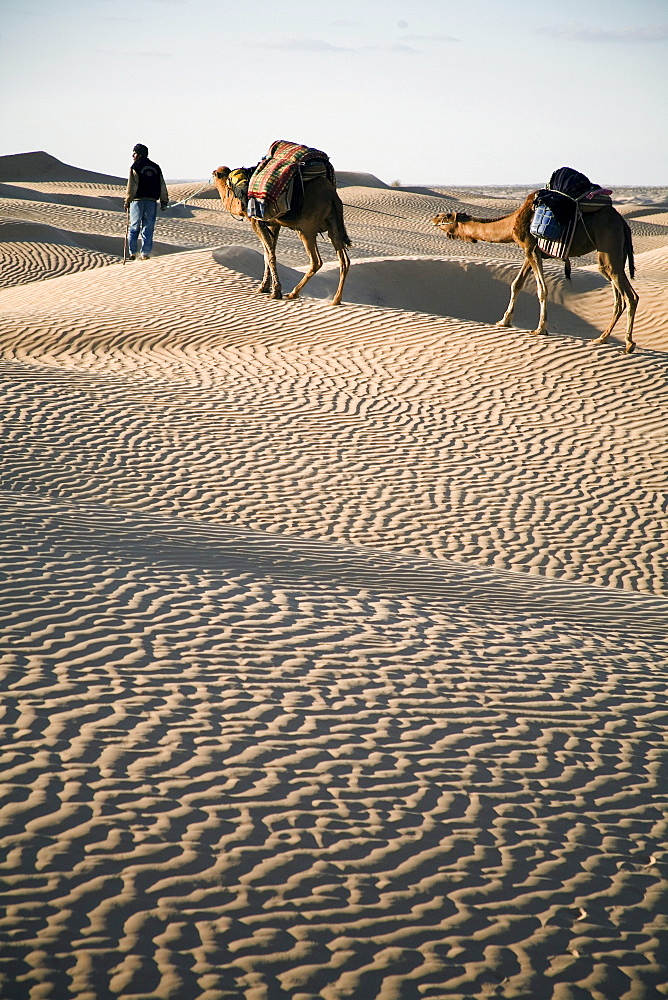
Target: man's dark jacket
[[146, 181]]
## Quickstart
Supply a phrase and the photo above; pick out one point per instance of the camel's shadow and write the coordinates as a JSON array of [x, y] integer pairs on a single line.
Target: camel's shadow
[[464, 288], [250, 262]]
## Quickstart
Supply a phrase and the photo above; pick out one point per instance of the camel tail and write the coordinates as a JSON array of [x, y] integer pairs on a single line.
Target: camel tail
[[628, 249], [339, 235]]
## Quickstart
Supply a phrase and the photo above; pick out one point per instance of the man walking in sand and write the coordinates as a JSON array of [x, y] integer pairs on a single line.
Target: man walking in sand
[[146, 187]]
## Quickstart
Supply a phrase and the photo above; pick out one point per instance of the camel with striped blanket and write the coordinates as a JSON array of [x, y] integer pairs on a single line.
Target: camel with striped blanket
[[320, 212], [604, 231]]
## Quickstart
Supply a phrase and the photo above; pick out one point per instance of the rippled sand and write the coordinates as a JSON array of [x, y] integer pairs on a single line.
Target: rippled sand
[[336, 639]]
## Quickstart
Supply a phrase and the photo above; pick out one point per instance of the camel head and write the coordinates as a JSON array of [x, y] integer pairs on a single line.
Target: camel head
[[220, 175], [232, 186], [450, 223]]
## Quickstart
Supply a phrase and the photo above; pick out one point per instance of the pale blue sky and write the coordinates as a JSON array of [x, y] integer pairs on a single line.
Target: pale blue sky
[[426, 92]]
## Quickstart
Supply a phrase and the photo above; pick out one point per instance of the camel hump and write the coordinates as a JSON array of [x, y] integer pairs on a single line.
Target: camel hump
[[576, 186], [557, 209], [270, 187], [568, 181]]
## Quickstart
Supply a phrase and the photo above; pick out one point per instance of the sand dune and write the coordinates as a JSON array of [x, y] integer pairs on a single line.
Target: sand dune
[[41, 166], [336, 639]]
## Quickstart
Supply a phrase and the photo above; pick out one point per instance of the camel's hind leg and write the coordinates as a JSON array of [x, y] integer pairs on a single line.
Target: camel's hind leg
[[625, 295], [310, 241], [336, 230], [344, 267], [631, 306]]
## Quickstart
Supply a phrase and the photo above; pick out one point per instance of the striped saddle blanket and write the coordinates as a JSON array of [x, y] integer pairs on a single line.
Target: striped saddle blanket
[[558, 207], [278, 178]]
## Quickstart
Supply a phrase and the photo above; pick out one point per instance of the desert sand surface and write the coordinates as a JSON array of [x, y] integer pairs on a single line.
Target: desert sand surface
[[335, 639]]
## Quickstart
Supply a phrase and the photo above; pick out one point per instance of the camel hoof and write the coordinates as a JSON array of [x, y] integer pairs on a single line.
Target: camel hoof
[[276, 295], [630, 348], [291, 295], [539, 333]]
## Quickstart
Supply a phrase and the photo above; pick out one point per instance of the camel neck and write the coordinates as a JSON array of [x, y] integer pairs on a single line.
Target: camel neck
[[489, 230]]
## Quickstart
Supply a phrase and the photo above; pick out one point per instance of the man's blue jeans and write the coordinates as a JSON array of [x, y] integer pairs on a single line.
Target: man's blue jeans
[[143, 213]]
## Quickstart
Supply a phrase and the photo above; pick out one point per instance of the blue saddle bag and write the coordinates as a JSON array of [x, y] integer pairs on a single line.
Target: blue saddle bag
[[545, 225]]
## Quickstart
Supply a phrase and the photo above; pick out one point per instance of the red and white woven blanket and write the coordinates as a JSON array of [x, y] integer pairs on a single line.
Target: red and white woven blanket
[[275, 172]]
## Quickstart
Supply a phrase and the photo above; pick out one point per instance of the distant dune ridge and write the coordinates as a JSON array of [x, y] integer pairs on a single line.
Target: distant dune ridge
[[41, 166], [336, 639]]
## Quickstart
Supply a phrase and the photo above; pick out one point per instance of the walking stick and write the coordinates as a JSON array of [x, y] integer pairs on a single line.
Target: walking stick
[[127, 228]]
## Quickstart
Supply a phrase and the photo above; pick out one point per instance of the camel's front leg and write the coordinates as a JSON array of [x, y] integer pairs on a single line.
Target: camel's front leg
[[515, 288], [268, 236], [541, 289], [266, 283], [310, 241]]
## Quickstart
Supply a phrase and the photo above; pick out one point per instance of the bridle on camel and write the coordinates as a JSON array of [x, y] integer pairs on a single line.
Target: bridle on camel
[[229, 188]]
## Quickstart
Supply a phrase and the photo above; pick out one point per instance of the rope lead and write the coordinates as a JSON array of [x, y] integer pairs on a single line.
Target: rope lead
[[190, 196]]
